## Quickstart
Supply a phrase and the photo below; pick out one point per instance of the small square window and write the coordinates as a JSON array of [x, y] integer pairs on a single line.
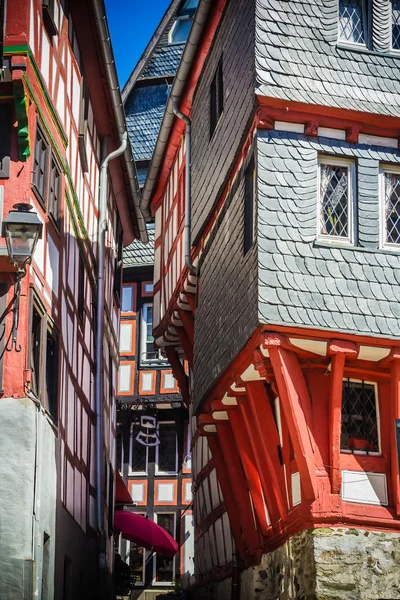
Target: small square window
[[390, 191], [335, 199], [360, 431], [353, 21]]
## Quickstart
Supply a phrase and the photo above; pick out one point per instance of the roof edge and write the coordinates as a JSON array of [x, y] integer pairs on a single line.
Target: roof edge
[[119, 115], [178, 86], [143, 60]]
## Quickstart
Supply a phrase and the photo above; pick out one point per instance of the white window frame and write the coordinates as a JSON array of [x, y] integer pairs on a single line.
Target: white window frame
[[378, 420], [143, 332], [385, 168], [393, 50], [164, 583], [157, 472], [366, 19], [337, 161], [134, 473], [175, 26]]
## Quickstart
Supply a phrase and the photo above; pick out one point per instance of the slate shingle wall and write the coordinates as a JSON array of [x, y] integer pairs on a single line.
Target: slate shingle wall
[[297, 58], [212, 160], [325, 286], [226, 315]]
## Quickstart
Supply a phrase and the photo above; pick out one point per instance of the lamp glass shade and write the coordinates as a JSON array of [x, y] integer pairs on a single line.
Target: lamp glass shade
[[21, 240]]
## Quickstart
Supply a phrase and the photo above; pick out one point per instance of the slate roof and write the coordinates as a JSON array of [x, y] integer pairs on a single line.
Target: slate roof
[[297, 58], [144, 110], [311, 284], [139, 254], [164, 61]]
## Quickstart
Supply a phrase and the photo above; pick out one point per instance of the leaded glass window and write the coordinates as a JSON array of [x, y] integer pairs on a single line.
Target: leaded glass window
[[148, 350], [396, 24], [392, 208], [352, 21], [138, 452], [335, 195], [167, 449], [359, 417]]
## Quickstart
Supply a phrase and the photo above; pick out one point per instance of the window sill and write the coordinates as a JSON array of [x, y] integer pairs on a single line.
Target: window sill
[[162, 474], [362, 49], [323, 244], [360, 453]]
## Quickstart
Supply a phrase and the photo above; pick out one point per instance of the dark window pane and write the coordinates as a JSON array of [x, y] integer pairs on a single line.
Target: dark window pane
[[167, 448], [392, 207], [40, 164], [164, 564], [36, 334], [52, 374], [138, 457], [136, 562], [396, 24], [55, 190], [359, 418]]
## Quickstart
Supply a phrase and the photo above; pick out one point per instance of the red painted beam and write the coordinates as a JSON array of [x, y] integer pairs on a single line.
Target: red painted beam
[[395, 414], [238, 485], [232, 508], [268, 441], [335, 421], [188, 324], [186, 344], [296, 404], [250, 468], [179, 373]]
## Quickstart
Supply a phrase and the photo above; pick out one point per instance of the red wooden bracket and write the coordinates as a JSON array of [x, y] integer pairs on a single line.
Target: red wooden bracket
[[250, 468], [296, 404], [335, 421], [239, 486], [188, 323], [395, 414], [179, 373], [231, 506], [186, 344]]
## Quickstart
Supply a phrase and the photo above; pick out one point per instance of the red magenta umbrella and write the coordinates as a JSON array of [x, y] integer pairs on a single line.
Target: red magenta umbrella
[[144, 532]]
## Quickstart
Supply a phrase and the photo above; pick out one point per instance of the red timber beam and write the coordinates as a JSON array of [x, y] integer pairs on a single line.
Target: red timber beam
[[232, 507], [249, 463], [178, 372], [264, 436], [296, 404], [188, 323], [186, 344], [339, 350], [395, 414]]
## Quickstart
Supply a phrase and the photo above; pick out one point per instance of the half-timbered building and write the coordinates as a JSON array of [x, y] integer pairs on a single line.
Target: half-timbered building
[[64, 153], [274, 184], [154, 453]]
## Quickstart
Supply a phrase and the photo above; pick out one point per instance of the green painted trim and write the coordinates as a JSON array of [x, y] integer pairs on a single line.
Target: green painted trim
[[25, 50], [21, 110], [67, 172]]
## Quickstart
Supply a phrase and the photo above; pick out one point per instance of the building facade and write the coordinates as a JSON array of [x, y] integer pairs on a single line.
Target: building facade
[[154, 436], [58, 402], [284, 302]]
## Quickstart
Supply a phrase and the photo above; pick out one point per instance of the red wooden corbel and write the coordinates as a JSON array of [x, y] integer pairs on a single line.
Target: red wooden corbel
[[179, 373], [352, 134], [188, 323], [186, 344], [264, 119], [296, 404], [339, 350]]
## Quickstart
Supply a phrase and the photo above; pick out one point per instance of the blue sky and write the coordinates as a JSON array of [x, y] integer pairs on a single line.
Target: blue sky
[[131, 26]]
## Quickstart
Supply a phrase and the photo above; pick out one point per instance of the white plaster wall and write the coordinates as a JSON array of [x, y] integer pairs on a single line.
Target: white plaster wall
[[24, 434]]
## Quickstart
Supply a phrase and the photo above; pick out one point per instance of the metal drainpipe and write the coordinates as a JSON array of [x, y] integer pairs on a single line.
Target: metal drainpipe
[[188, 181], [101, 242]]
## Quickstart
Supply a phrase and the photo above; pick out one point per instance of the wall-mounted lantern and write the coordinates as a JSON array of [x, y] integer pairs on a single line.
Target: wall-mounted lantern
[[21, 229]]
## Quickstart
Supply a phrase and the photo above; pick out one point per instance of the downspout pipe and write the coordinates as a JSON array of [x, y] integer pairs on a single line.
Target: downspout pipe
[[101, 244], [188, 185], [118, 110]]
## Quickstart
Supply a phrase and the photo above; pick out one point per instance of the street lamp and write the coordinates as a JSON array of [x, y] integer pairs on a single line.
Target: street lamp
[[21, 229]]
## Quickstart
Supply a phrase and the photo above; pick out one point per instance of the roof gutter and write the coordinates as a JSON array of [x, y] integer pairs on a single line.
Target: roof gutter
[[181, 76], [119, 115]]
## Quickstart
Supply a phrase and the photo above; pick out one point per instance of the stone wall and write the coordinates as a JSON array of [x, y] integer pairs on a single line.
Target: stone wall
[[322, 564]]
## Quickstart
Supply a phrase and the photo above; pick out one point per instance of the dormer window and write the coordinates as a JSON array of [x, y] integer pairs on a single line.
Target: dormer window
[[353, 21], [180, 30]]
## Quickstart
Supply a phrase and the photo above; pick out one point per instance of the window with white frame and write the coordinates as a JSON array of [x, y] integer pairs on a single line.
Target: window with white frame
[[390, 192], [167, 449], [395, 24], [138, 453], [136, 558], [353, 21], [147, 348], [164, 566], [360, 417], [336, 199]]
